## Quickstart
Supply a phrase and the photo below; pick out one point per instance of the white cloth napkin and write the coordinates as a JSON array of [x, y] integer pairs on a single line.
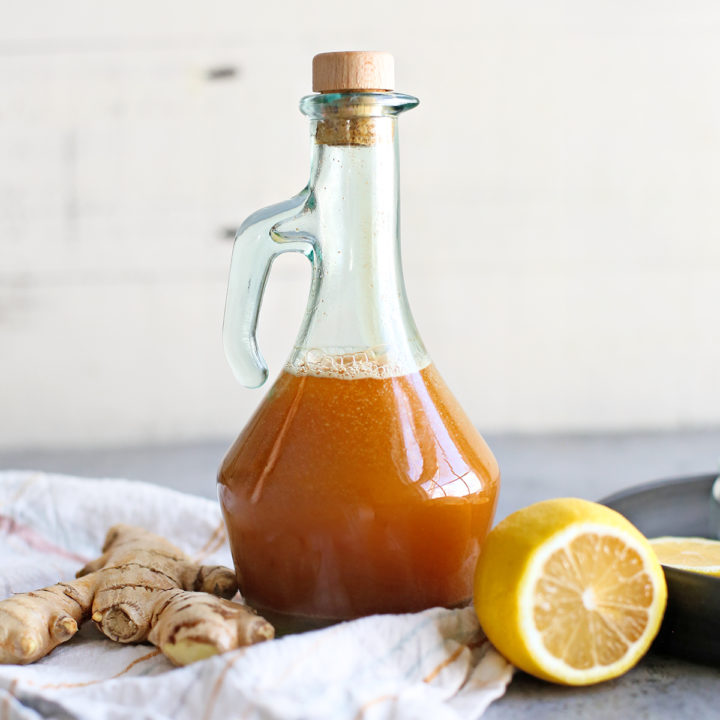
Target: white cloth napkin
[[435, 664]]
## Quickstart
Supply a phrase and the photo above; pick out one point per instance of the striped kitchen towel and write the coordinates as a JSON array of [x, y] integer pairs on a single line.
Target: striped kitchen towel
[[435, 664]]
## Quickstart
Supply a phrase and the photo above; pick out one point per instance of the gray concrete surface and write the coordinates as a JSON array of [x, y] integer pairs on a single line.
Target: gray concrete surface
[[534, 468]]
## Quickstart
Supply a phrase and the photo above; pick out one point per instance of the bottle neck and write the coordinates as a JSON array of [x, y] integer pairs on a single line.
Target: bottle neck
[[358, 322], [354, 189]]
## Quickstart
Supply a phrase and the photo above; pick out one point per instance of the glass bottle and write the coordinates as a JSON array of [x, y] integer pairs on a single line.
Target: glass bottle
[[359, 485]]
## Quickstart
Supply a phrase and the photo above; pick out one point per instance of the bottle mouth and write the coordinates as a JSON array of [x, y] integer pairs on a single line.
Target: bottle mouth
[[355, 103]]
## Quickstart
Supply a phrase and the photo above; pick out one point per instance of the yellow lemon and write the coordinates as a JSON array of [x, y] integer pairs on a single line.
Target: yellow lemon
[[569, 591], [689, 553]]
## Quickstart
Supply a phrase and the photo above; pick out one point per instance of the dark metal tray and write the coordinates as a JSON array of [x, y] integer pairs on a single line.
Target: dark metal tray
[[680, 506]]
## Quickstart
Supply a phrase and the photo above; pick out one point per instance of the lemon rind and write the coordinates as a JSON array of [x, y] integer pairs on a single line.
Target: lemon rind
[[681, 539], [709, 570]]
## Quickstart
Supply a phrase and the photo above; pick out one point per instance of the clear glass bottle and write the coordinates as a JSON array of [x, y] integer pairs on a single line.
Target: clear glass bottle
[[359, 485]]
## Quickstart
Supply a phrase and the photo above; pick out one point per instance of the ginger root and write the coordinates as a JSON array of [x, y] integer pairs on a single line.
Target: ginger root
[[141, 588], [191, 628], [34, 623]]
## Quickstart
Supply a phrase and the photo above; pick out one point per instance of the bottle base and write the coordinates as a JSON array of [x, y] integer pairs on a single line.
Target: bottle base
[[293, 624], [286, 624]]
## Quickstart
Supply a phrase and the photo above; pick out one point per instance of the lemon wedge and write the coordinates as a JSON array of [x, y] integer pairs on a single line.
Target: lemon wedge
[[689, 553], [569, 591]]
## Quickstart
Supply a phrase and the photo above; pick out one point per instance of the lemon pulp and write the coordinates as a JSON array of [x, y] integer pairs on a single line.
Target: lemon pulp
[[689, 553], [591, 602]]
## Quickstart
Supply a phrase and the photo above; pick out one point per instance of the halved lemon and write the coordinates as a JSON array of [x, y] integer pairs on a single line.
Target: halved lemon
[[689, 553], [569, 591]]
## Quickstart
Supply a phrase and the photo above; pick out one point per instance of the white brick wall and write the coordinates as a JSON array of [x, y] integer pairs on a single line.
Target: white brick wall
[[560, 206]]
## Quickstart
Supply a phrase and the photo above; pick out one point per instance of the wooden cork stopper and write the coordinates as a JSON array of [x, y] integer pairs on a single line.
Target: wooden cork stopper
[[360, 70], [356, 131]]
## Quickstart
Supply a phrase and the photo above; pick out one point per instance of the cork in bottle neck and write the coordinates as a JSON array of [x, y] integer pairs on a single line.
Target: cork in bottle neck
[[353, 72]]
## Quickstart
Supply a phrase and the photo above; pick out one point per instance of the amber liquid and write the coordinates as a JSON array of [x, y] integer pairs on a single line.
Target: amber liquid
[[344, 497]]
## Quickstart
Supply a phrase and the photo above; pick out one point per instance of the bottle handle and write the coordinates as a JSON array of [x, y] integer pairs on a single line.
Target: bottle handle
[[257, 243]]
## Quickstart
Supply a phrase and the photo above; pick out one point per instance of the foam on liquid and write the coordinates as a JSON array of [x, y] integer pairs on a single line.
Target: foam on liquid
[[349, 366]]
